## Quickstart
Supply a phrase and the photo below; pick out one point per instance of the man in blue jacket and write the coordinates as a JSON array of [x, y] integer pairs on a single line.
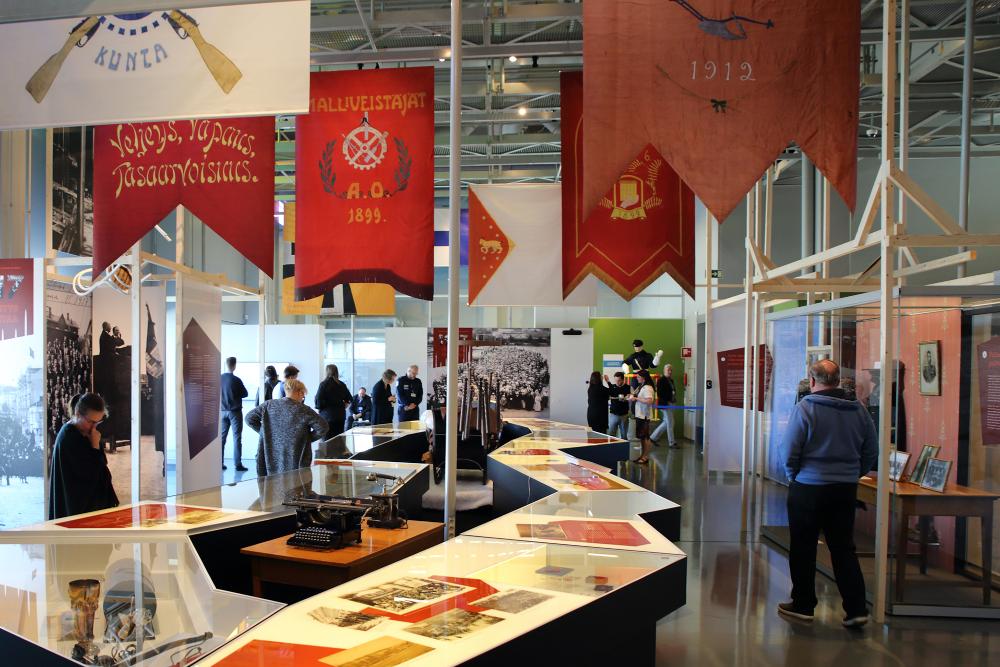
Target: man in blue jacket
[[830, 443]]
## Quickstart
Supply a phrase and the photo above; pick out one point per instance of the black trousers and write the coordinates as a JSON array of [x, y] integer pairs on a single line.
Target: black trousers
[[829, 508], [232, 419]]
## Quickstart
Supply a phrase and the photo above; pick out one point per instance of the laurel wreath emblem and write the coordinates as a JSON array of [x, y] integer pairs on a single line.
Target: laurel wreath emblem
[[404, 166]]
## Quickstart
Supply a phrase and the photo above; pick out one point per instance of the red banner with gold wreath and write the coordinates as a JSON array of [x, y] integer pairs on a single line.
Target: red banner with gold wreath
[[365, 182], [720, 87], [641, 228], [221, 170]]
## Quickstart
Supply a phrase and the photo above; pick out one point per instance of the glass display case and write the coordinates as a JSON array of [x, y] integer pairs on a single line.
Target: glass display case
[[943, 416], [145, 602], [449, 604]]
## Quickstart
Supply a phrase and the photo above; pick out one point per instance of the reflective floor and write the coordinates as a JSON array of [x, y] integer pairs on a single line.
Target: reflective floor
[[733, 588]]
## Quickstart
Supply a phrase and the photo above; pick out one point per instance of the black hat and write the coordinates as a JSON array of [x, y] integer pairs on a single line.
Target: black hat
[[637, 343]]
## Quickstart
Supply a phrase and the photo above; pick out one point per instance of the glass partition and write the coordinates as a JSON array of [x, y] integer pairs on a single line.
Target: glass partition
[[944, 416]]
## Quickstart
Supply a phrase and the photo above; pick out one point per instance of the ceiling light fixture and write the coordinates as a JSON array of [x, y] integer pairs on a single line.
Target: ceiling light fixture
[[522, 111], [512, 59]]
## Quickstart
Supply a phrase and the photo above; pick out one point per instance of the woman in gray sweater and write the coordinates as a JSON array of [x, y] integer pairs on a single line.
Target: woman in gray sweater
[[287, 427]]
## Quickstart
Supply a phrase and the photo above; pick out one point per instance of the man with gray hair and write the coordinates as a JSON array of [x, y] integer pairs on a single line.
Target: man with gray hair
[[829, 444]]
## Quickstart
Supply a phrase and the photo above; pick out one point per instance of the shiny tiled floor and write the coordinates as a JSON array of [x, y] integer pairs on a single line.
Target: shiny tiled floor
[[733, 588]]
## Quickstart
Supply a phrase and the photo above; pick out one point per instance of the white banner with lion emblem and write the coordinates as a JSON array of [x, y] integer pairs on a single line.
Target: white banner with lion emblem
[[238, 60], [515, 248]]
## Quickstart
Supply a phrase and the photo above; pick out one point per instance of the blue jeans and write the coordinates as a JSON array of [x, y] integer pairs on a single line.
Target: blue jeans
[[618, 426], [666, 425]]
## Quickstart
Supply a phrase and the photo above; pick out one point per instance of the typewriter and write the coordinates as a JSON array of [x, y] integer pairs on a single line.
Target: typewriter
[[326, 522]]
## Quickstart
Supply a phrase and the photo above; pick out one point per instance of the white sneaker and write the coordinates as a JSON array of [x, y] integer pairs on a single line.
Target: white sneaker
[[855, 621]]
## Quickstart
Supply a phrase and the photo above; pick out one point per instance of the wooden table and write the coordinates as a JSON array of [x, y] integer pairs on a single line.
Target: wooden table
[[913, 500], [276, 562]]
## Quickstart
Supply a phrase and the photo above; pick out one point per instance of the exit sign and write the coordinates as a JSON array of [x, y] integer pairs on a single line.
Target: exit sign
[[717, 274]]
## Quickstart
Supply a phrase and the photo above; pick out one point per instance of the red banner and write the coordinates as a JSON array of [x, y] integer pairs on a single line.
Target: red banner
[[17, 298], [365, 182], [221, 170], [641, 228], [720, 87], [731, 376]]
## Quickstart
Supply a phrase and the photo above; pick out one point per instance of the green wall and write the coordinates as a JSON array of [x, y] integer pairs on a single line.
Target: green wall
[[613, 335]]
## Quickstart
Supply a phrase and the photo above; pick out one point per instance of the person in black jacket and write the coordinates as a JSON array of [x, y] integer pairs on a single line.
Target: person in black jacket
[[332, 399], [265, 392], [666, 395], [382, 398], [597, 403], [79, 479], [233, 393], [619, 405], [361, 408], [409, 394]]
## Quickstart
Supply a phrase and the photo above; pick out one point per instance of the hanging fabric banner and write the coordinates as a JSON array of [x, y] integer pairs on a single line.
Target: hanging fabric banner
[[220, 170], [720, 87], [514, 241], [365, 185], [197, 62], [641, 228]]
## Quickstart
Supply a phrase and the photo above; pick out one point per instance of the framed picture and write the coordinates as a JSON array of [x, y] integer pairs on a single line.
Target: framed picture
[[930, 368], [936, 474], [897, 464], [926, 454]]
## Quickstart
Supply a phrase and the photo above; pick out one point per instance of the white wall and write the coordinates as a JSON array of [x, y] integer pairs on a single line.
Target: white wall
[[724, 425], [572, 358], [298, 344]]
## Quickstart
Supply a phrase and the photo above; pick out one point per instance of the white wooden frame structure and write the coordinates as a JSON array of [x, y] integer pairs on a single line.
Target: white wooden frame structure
[[897, 261]]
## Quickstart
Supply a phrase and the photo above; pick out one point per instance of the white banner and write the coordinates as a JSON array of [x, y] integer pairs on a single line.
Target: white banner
[[238, 60], [530, 218], [199, 454]]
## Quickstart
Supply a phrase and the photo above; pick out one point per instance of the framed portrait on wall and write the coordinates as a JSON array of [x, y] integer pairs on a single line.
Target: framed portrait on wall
[[936, 475], [897, 464], [930, 368], [926, 454]]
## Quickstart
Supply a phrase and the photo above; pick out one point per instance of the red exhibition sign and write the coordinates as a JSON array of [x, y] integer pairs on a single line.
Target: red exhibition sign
[[221, 170], [720, 87], [365, 182]]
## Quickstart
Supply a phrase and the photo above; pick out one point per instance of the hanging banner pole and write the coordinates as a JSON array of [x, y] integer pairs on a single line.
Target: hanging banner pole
[[138, 356], [454, 263]]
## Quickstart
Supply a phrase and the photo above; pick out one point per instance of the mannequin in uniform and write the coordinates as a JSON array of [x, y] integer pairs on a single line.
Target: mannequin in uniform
[[640, 360]]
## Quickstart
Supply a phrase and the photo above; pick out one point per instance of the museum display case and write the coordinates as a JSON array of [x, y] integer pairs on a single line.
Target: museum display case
[[142, 601], [944, 470], [581, 546]]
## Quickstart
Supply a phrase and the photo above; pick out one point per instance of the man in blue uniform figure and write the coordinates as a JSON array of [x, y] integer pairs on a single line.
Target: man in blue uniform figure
[[409, 394], [233, 393]]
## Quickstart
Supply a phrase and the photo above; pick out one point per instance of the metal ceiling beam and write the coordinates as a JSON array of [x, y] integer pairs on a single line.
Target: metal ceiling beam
[[436, 53], [441, 17], [874, 35]]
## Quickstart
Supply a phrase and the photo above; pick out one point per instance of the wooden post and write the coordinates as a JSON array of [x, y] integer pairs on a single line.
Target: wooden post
[[138, 357], [180, 425]]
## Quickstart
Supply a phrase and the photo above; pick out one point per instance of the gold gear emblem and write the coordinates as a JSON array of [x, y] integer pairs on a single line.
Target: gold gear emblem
[[365, 147]]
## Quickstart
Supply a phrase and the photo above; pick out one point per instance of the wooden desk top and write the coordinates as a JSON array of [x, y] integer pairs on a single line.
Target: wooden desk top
[[950, 491], [373, 540]]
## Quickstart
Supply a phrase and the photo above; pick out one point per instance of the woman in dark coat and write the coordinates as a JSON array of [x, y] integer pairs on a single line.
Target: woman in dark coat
[[332, 399], [79, 480], [597, 404], [382, 399]]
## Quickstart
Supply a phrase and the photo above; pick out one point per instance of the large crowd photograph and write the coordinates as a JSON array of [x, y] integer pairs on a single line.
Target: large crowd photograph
[[516, 359]]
